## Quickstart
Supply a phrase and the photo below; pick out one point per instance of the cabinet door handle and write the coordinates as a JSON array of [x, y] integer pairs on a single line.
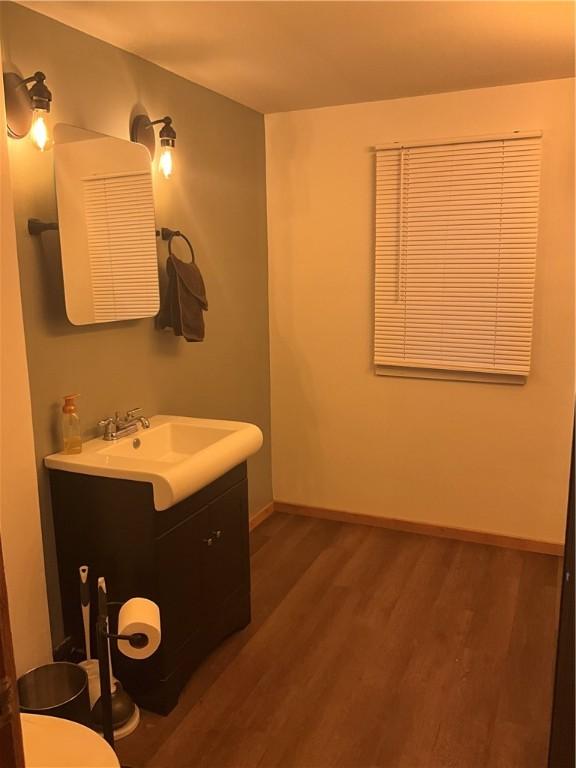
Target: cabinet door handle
[[209, 541], [217, 534]]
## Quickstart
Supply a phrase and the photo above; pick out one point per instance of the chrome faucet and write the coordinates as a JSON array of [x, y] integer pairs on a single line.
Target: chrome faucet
[[120, 426]]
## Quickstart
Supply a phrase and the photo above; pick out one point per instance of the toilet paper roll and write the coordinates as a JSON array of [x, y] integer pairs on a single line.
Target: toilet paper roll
[[142, 616]]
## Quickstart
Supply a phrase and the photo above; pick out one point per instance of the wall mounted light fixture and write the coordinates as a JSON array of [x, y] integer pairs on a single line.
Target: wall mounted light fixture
[[27, 109], [142, 131]]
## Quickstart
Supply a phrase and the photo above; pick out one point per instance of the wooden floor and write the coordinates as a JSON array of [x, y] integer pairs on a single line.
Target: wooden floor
[[371, 647]]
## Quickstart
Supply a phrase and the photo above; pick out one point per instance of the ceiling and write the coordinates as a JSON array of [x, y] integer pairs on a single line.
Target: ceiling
[[279, 56]]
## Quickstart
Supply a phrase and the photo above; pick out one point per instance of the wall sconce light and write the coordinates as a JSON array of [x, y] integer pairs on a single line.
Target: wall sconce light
[[142, 131], [27, 109]]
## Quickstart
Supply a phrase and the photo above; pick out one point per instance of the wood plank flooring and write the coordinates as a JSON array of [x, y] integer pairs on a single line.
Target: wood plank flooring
[[370, 647]]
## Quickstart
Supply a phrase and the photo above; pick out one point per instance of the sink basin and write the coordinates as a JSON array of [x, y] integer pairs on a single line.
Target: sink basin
[[178, 455]]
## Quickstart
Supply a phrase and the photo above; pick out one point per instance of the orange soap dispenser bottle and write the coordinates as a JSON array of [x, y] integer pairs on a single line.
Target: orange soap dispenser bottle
[[71, 436]]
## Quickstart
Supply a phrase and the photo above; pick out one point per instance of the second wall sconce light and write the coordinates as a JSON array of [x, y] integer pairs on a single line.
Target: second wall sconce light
[[27, 109], [142, 131]]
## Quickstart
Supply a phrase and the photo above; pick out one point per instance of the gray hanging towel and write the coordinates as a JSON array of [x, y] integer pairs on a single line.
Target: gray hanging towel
[[184, 301]]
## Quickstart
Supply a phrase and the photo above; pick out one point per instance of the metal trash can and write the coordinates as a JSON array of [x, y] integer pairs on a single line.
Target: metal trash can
[[59, 689]]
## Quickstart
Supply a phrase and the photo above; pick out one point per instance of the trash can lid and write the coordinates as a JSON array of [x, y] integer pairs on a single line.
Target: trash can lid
[[51, 742]]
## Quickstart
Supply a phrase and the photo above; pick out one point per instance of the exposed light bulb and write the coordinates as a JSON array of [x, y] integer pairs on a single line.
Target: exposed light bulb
[[166, 163], [39, 131]]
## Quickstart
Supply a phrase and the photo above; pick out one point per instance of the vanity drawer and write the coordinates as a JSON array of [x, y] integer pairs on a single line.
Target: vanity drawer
[[167, 519]]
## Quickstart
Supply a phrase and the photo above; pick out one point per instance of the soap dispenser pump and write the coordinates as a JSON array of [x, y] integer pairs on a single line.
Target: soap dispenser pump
[[71, 436]]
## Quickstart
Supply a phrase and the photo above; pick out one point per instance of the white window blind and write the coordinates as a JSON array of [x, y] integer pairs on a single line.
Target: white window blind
[[456, 233]]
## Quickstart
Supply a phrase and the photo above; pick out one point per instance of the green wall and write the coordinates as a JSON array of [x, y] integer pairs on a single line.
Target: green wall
[[217, 197]]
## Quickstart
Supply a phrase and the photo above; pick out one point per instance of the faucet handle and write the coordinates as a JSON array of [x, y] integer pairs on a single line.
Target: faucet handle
[[108, 425], [132, 412]]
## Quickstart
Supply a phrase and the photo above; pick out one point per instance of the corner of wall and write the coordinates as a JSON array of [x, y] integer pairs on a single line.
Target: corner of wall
[[19, 508]]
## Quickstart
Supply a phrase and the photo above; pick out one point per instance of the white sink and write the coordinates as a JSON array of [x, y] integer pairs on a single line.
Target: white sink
[[178, 455]]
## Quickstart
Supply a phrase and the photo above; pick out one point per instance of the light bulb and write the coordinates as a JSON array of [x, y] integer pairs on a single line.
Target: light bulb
[[39, 131], [165, 164]]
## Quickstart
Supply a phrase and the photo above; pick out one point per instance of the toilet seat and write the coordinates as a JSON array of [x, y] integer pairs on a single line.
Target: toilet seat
[[51, 742]]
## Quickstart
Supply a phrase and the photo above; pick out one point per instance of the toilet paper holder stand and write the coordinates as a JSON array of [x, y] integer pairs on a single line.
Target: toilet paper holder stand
[[103, 636]]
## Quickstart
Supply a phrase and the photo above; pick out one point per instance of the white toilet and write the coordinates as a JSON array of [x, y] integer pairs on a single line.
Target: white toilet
[[51, 742]]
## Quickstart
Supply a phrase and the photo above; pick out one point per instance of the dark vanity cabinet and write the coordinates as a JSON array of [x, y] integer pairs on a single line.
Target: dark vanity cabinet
[[191, 559]]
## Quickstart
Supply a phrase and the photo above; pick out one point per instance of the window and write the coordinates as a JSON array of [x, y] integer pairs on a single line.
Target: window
[[456, 232]]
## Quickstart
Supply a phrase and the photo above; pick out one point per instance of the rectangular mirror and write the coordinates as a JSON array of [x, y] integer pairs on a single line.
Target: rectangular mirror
[[107, 227]]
